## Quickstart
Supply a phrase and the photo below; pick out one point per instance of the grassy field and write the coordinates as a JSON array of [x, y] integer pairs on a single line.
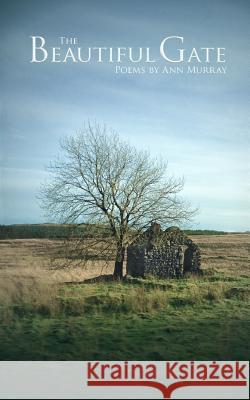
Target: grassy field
[[50, 314]]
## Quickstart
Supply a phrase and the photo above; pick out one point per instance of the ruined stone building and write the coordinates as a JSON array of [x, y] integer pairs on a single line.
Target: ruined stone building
[[167, 254]]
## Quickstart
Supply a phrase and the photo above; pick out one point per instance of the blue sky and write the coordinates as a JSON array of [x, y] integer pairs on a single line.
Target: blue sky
[[199, 123]]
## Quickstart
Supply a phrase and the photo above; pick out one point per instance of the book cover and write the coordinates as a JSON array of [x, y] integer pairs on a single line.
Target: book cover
[[124, 217]]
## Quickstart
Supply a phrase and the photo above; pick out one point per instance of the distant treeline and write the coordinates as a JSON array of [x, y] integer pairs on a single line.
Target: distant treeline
[[50, 231], [203, 232], [60, 231]]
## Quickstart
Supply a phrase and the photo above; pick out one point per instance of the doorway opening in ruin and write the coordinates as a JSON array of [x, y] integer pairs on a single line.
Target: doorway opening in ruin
[[187, 263]]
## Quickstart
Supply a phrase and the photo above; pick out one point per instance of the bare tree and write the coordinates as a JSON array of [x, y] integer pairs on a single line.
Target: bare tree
[[102, 179]]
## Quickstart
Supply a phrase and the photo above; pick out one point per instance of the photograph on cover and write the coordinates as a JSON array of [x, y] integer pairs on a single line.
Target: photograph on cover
[[125, 224]]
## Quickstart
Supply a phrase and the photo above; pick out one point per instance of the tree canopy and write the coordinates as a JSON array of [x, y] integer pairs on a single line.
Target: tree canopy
[[102, 179]]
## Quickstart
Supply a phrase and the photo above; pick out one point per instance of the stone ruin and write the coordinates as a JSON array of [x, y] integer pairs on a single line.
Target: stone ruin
[[166, 254]]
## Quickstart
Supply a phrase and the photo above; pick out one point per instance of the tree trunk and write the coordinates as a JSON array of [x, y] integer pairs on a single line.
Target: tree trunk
[[118, 271]]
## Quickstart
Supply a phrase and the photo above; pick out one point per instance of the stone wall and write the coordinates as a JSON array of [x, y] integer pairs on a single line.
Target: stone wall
[[169, 254], [166, 262]]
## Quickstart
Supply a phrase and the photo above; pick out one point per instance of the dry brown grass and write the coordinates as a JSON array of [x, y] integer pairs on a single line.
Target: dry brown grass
[[42, 318], [30, 284], [30, 258], [227, 253], [27, 271], [28, 278]]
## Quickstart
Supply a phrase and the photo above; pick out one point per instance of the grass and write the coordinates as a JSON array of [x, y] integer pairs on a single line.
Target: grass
[[189, 319], [54, 315]]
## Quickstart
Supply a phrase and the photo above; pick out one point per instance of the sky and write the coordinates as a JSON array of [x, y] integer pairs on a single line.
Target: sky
[[198, 123]]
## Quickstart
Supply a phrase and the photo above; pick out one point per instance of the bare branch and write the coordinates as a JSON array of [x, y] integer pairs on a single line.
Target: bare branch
[[102, 179]]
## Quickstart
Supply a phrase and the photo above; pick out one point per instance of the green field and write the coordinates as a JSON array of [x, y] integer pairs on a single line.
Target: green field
[[47, 314], [136, 320]]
